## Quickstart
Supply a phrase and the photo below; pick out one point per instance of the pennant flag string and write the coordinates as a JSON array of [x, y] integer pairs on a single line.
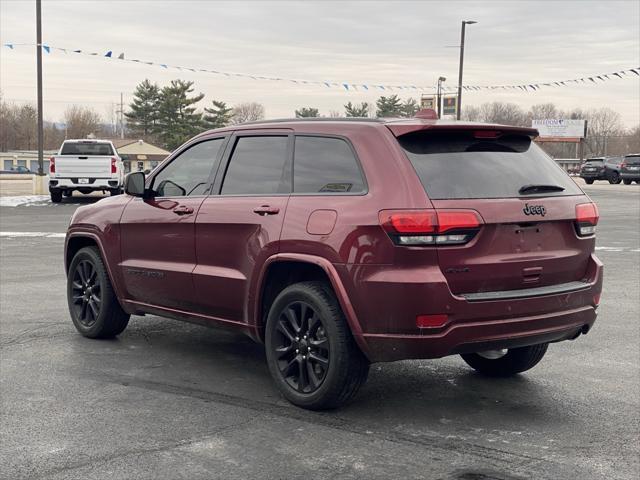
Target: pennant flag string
[[348, 86]]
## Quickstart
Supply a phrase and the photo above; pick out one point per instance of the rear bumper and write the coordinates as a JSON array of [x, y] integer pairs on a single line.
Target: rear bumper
[[389, 330], [630, 176], [94, 183]]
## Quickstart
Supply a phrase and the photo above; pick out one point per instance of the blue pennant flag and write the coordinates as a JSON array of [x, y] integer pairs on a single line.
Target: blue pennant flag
[[346, 86], [9, 45], [108, 54], [46, 48], [163, 65]]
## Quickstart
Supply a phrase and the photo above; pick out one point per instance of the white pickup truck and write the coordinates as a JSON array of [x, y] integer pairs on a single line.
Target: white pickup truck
[[86, 166]]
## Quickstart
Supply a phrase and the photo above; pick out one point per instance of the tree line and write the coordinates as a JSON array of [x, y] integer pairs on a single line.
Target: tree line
[[169, 115]]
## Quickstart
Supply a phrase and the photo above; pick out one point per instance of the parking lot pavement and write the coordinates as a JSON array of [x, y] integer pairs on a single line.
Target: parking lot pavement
[[173, 400]]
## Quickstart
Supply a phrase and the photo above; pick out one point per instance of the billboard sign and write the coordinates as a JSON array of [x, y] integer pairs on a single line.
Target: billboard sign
[[450, 105], [560, 128]]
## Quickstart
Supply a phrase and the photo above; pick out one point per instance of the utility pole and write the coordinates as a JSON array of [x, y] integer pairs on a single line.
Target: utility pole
[[464, 24], [121, 116], [39, 75]]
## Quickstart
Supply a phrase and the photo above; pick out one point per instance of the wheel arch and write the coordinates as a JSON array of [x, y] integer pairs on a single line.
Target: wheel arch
[[282, 270]]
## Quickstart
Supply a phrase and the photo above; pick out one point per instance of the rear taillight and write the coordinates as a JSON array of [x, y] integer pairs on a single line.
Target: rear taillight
[[114, 168], [430, 227], [52, 165], [586, 219]]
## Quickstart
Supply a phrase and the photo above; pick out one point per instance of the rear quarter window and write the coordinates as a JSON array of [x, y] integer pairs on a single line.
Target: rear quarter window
[[325, 165], [456, 165]]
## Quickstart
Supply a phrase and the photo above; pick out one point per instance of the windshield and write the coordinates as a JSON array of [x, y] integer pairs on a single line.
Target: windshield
[[88, 148], [458, 165]]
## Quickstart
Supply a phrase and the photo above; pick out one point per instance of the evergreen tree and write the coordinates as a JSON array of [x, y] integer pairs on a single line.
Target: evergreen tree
[[307, 112], [143, 116], [218, 116], [410, 107], [389, 107], [178, 120], [361, 110]]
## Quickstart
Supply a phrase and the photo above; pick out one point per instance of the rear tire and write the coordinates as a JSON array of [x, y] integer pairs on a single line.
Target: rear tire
[[56, 196], [627, 182], [516, 360], [93, 305], [311, 353], [589, 181]]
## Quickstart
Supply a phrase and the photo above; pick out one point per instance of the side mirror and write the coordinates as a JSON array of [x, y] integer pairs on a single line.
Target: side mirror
[[134, 184]]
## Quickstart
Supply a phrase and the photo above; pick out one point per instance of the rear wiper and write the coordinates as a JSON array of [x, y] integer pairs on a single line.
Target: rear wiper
[[525, 189]]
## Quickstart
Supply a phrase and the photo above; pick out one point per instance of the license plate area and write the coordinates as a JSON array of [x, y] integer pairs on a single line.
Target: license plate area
[[83, 180]]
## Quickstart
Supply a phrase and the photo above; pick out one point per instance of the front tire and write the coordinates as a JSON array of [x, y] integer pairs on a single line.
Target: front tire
[[627, 182], [513, 361], [93, 305], [311, 353], [614, 178]]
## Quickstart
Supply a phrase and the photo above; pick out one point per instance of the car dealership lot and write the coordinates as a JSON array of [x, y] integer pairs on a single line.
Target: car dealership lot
[[173, 400]]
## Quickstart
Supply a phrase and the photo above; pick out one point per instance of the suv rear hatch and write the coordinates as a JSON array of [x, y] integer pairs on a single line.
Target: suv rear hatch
[[527, 207]]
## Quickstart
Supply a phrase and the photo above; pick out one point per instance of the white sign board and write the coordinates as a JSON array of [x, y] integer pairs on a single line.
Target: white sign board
[[559, 128]]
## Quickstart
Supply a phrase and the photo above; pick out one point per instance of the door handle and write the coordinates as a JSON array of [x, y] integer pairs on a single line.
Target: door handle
[[182, 210], [266, 210]]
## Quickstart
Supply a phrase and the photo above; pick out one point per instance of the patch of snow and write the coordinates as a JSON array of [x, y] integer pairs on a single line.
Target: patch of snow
[[33, 234], [22, 200]]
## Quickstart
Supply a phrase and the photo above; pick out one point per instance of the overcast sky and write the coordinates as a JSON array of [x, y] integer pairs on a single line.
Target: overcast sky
[[388, 42]]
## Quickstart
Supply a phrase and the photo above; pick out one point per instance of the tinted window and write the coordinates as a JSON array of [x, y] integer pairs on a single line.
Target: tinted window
[[86, 148], [458, 165], [632, 160], [258, 165], [188, 173], [325, 165]]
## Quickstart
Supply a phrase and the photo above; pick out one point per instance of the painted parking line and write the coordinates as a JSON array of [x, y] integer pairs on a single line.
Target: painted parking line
[[62, 235]]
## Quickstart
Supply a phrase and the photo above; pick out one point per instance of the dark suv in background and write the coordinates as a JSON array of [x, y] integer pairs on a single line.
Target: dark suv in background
[[630, 169], [601, 168], [339, 243]]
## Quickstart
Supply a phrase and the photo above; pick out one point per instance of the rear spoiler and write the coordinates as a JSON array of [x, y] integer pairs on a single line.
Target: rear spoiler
[[401, 128]]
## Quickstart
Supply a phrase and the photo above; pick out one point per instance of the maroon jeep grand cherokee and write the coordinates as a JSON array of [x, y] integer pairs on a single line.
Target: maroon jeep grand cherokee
[[339, 243]]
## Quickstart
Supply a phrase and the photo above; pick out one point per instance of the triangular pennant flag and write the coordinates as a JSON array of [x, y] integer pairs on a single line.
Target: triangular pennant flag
[[121, 56], [600, 78], [365, 87], [635, 71], [46, 48], [108, 54], [617, 75], [346, 86], [591, 78], [163, 65], [327, 84], [77, 51], [9, 45]]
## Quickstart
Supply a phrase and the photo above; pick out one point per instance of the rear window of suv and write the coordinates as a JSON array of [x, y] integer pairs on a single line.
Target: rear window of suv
[[456, 165], [88, 148], [632, 160]]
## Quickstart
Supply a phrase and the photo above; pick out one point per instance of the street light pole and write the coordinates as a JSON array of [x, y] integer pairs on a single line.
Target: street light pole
[[464, 24], [39, 74], [439, 95]]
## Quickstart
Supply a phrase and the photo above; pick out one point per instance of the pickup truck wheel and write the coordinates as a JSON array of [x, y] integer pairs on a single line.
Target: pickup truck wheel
[[311, 353], [56, 196], [588, 181], [504, 363], [94, 308], [627, 182]]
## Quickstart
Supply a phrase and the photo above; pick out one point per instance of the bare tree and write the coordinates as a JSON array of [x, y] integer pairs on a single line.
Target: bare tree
[[82, 121], [335, 114], [471, 113], [247, 112], [503, 113], [603, 124]]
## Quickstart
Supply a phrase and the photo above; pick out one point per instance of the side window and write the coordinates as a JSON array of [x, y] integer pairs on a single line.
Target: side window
[[258, 165], [325, 165], [188, 173]]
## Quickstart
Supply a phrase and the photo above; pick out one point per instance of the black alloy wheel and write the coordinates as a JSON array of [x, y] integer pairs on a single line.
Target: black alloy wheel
[[86, 293], [301, 347]]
